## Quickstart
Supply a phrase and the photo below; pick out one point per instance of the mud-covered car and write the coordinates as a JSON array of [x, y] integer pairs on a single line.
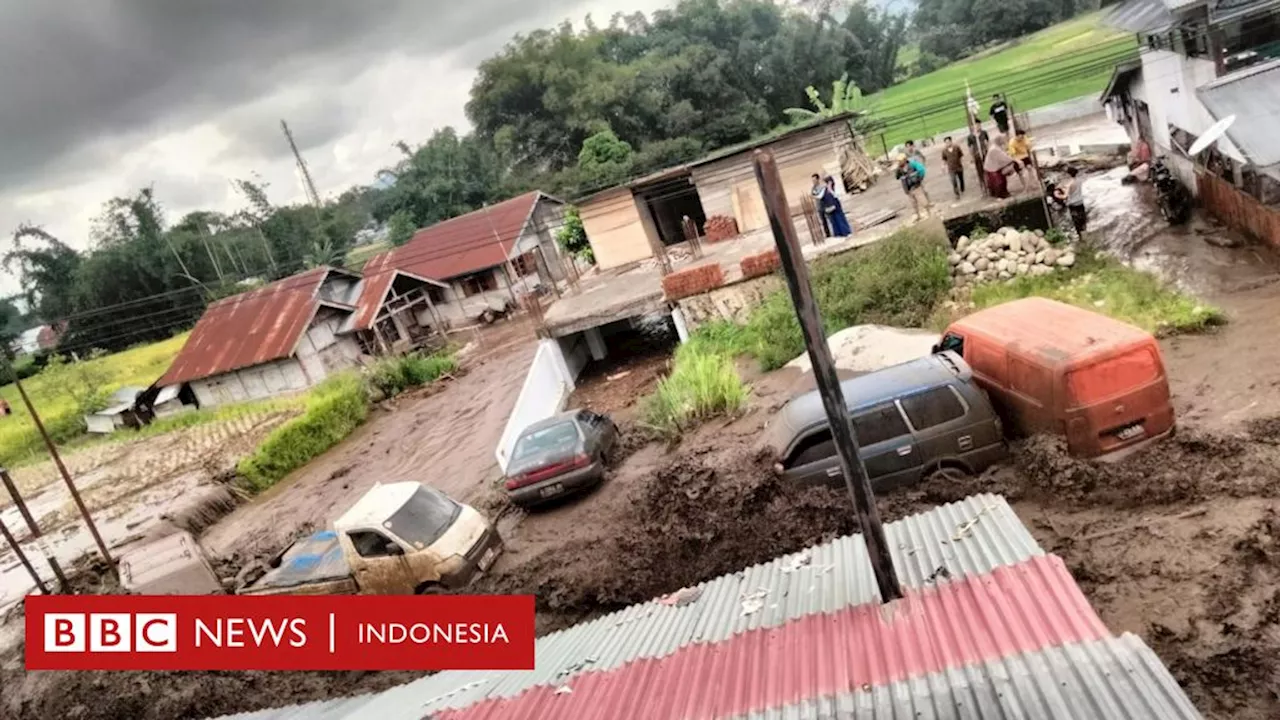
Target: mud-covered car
[[564, 454], [911, 421]]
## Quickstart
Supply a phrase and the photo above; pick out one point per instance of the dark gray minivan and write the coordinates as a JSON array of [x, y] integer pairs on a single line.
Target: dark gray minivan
[[911, 420]]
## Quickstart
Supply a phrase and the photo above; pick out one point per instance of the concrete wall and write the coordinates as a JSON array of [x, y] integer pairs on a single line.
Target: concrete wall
[[540, 232], [546, 390], [731, 302], [1168, 85], [459, 308], [728, 187], [252, 383], [322, 351], [612, 222]]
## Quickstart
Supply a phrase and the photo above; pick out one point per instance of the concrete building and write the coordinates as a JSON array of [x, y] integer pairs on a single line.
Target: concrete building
[[1201, 62], [630, 222], [470, 258], [295, 332]]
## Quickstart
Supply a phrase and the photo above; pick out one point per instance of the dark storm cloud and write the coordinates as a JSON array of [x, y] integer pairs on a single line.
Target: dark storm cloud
[[77, 74]]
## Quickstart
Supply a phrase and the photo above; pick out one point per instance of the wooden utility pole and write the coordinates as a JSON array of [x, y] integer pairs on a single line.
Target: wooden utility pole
[[22, 558], [62, 469], [21, 504], [824, 372]]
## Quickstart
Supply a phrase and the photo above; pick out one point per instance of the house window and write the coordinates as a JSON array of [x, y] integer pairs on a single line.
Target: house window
[[479, 283], [525, 265], [437, 294]]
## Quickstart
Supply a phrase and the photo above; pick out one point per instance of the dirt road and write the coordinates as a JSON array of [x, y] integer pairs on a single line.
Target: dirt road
[[444, 436]]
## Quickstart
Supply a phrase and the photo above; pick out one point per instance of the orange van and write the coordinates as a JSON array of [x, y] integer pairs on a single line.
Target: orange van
[[1055, 368]]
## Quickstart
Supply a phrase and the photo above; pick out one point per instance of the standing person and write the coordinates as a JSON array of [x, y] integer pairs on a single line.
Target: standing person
[[953, 156], [1020, 150], [818, 191], [1009, 166], [996, 166], [1073, 195], [914, 152], [910, 173], [840, 226], [1000, 113]]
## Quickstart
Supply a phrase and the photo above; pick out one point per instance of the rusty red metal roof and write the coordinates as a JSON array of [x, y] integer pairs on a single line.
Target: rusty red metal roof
[[461, 245], [373, 293], [249, 329]]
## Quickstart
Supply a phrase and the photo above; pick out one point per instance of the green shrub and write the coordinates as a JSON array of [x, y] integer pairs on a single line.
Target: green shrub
[[703, 384], [1106, 286], [334, 409], [897, 281], [393, 375]]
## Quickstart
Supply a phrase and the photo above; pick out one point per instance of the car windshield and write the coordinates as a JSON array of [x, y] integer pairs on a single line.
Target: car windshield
[[424, 517], [561, 436]]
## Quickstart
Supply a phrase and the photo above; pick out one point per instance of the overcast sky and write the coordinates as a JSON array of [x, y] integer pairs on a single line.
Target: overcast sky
[[101, 97]]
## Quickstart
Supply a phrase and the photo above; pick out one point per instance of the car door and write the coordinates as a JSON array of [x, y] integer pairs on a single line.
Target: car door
[[886, 446], [889, 451], [600, 436], [380, 567], [940, 423]]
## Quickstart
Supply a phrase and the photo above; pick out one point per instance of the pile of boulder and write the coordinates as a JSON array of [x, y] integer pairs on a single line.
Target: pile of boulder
[[1006, 254]]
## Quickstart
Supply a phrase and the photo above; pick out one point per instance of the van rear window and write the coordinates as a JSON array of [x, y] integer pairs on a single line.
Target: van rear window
[[1112, 377]]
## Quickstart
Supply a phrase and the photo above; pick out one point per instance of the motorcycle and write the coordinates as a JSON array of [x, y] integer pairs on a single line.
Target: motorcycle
[[1171, 196]]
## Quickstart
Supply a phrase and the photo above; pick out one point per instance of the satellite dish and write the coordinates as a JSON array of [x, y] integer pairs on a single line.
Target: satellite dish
[[1211, 135]]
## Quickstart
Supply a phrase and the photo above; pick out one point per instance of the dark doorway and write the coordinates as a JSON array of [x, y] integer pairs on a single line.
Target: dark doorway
[[670, 201]]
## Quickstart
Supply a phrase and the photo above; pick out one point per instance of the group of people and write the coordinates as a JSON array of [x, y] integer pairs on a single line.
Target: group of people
[[1004, 157]]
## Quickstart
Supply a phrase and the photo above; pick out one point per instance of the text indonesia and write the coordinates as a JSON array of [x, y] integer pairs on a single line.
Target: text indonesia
[[139, 632]]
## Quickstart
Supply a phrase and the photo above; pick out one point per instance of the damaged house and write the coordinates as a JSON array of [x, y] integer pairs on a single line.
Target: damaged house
[[292, 334]]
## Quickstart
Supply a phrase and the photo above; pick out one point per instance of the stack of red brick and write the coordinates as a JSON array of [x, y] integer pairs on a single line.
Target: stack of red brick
[[760, 264], [693, 281], [719, 227]]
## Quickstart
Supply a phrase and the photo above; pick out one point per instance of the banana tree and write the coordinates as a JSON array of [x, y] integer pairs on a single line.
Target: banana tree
[[845, 97]]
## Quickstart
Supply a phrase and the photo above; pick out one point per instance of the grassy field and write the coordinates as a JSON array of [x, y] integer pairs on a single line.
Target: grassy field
[[1059, 63], [360, 255], [53, 394]]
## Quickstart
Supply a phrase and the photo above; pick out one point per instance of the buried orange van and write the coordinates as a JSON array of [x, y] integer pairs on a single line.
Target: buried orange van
[[1055, 368]]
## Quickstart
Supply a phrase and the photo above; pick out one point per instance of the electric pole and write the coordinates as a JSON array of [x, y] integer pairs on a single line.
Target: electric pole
[[308, 184]]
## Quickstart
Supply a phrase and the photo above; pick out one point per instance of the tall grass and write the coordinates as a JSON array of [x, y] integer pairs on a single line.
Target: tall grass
[[333, 411], [703, 384], [393, 375], [1106, 286], [898, 281]]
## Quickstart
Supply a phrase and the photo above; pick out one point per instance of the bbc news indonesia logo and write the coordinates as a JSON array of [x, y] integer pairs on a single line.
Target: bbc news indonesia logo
[[488, 632]]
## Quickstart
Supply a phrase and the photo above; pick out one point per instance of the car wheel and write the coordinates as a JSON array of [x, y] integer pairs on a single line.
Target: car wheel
[[948, 474], [429, 588]]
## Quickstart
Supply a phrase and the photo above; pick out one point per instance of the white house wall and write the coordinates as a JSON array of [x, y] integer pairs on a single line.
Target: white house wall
[[252, 383], [1168, 87]]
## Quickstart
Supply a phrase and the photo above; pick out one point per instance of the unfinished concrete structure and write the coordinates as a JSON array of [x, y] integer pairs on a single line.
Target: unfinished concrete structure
[[634, 221]]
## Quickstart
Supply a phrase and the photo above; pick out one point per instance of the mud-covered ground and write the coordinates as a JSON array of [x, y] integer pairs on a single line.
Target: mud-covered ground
[[1179, 544]]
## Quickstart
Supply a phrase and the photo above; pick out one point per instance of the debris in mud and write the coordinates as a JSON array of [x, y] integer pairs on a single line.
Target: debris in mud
[[212, 505]]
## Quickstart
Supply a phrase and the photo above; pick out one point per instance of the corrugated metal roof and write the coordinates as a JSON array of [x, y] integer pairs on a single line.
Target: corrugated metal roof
[[248, 329], [462, 245], [373, 294], [1252, 94], [1111, 679], [839, 572], [1139, 16], [1024, 608]]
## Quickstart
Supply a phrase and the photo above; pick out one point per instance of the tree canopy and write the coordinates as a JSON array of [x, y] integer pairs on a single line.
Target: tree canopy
[[567, 110]]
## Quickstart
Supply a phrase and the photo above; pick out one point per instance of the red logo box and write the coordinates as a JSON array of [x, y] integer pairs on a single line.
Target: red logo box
[[136, 632]]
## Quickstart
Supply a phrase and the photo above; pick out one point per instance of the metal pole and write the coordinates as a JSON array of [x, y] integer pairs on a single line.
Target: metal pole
[[35, 529], [824, 372], [62, 469], [17, 550]]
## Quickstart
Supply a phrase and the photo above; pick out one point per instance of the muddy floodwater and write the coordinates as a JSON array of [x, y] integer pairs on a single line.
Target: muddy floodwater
[[1201, 257]]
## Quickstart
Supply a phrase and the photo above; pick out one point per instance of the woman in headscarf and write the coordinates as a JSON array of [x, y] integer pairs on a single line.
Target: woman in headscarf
[[996, 165], [837, 224]]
